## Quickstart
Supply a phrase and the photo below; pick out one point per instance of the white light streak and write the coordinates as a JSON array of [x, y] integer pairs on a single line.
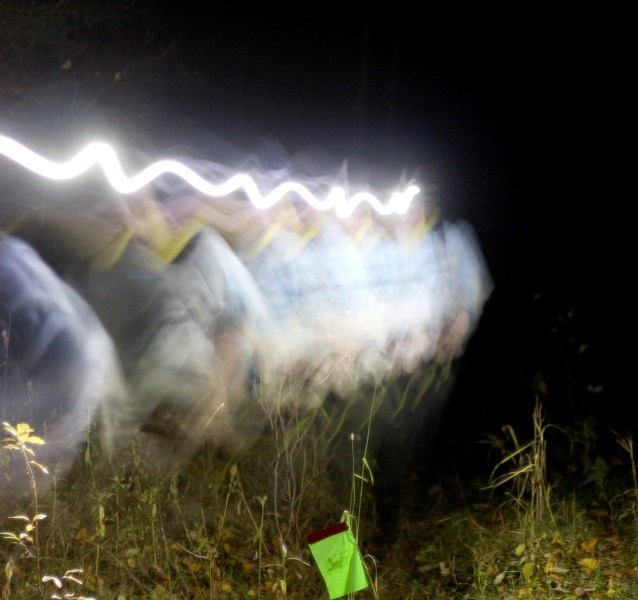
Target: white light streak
[[103, 155]]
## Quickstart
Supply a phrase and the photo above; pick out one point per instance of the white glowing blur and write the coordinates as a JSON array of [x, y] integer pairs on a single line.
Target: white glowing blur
[[103, 155]]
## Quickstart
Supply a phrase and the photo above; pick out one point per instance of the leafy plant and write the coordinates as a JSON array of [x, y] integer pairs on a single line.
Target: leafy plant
[[21, 440]]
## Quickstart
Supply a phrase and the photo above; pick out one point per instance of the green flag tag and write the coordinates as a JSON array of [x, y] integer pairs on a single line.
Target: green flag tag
[[337, 556]]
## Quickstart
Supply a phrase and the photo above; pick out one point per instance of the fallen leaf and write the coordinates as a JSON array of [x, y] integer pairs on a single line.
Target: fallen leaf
[[528, 571], [589, 545], [591, 564], [557, 539], [81, 535]]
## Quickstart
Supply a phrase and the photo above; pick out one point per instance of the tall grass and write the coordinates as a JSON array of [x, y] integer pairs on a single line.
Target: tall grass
[[121, 530]]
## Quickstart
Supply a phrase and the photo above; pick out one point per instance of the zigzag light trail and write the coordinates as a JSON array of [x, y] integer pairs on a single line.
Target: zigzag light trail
[[161, 307], [103, 155]]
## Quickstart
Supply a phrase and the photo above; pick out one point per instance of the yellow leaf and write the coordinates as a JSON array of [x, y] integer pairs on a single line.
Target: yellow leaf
[[226, 587], [246, 567], [528, 571], [611, 593], [33, 439], [557, 539], [589, 545], [194, 567], [591, 564], [519, 549], [23, 430]]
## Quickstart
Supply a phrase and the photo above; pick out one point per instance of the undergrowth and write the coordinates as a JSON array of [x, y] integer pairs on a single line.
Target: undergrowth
[[122, 530]]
